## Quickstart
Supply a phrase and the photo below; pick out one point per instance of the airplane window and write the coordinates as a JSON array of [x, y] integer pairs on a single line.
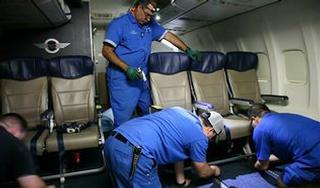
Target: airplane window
[[296, 66]]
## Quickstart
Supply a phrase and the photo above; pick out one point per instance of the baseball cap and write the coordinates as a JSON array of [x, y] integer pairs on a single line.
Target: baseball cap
[[215, 119]]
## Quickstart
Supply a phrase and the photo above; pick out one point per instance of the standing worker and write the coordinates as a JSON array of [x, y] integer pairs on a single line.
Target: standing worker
[[15, 159], [291, 138], [127, 46], [137, 147]]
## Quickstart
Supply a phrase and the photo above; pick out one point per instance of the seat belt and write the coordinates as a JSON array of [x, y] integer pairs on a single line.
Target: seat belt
[[33, 147], [228, 138], [61, 155]]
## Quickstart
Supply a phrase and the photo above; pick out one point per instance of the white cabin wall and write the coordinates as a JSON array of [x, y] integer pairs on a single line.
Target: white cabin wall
[[100, 61], [272, 30]]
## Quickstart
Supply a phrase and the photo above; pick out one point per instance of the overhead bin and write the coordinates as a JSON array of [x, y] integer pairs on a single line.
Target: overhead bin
[[183, 16], [33, 13]]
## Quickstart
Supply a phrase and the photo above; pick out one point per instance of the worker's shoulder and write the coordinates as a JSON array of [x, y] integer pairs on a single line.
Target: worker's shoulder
[[10, 141]]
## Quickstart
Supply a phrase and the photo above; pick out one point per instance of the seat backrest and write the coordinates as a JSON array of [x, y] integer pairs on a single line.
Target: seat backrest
[[208, 80], [169, 79], [72, 89], [24, 88], [242, 75]]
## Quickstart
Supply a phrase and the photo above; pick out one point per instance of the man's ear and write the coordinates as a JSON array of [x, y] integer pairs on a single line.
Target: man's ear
[[131, 9]]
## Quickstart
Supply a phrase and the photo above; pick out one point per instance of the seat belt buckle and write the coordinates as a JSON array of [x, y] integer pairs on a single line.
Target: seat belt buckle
[[70, 130]]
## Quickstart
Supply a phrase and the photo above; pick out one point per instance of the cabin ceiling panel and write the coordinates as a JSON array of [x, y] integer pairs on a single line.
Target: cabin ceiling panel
[[195, 14]]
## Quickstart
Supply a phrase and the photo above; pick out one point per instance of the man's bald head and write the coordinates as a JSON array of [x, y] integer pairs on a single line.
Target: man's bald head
[[14, 124]]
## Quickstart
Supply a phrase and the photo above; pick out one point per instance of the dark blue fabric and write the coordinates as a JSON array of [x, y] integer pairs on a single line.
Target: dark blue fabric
[[241, 61], [168, 62], [209, 62], [26, 68], [171, 135], [290, 137], [61, 151], [70, 67]]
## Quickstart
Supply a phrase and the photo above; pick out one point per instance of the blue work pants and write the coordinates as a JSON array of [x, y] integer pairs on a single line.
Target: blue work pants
[[125, 95], [119, 158]]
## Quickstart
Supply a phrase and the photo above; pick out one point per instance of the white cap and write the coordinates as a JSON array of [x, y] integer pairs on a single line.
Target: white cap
[[216, 120]]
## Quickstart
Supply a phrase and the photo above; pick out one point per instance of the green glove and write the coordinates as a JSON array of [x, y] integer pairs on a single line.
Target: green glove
[[193, 54], [133, 73]]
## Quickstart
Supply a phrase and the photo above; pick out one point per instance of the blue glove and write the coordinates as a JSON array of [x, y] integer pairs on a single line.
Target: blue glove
[[133, 73], [193, 54]]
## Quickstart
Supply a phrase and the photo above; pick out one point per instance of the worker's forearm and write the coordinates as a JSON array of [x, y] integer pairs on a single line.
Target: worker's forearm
[[112, 57], [176, 41], [179, 170]]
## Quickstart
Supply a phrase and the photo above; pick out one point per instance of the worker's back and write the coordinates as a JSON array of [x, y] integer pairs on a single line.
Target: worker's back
[[291, 136], [166, 135]]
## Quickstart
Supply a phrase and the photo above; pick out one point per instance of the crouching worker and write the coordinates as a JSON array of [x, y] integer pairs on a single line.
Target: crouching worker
[[172, 135], [15, 159], [291, 138]]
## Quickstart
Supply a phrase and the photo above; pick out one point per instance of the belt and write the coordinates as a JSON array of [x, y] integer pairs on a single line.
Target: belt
[[121, 138]]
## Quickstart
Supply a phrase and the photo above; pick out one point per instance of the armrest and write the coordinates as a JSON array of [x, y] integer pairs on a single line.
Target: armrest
[[241, 102], [200, 105], [239, 106], [276, 99]]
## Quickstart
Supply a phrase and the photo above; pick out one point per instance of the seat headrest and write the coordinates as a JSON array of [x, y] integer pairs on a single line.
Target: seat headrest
[[168, 62], [24, 68], [209, 62], [241, 61], [70, 67]]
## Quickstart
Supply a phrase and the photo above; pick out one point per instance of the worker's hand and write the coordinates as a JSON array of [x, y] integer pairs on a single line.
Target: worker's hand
[[262, 165], [193, 54], [216, 170], [133, 73], [185, 183]]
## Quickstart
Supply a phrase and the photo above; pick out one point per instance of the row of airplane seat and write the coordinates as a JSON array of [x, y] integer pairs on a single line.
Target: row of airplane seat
[[215, 78], [64, 86]]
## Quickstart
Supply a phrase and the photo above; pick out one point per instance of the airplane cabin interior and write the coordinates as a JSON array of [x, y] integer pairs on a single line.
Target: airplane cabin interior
[[53, 73]]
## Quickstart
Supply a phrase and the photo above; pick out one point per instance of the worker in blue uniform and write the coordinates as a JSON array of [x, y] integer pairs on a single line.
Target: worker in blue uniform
[[291, 138], [137, 147], [127, 46]]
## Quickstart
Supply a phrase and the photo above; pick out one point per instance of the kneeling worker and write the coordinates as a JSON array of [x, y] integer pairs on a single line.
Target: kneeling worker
[[291, 138], [172, 135], [15, 159]]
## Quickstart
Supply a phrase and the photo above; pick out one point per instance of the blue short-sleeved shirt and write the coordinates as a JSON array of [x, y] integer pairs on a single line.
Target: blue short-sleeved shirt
[[290, 137], [168, 136], [132, 41]]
